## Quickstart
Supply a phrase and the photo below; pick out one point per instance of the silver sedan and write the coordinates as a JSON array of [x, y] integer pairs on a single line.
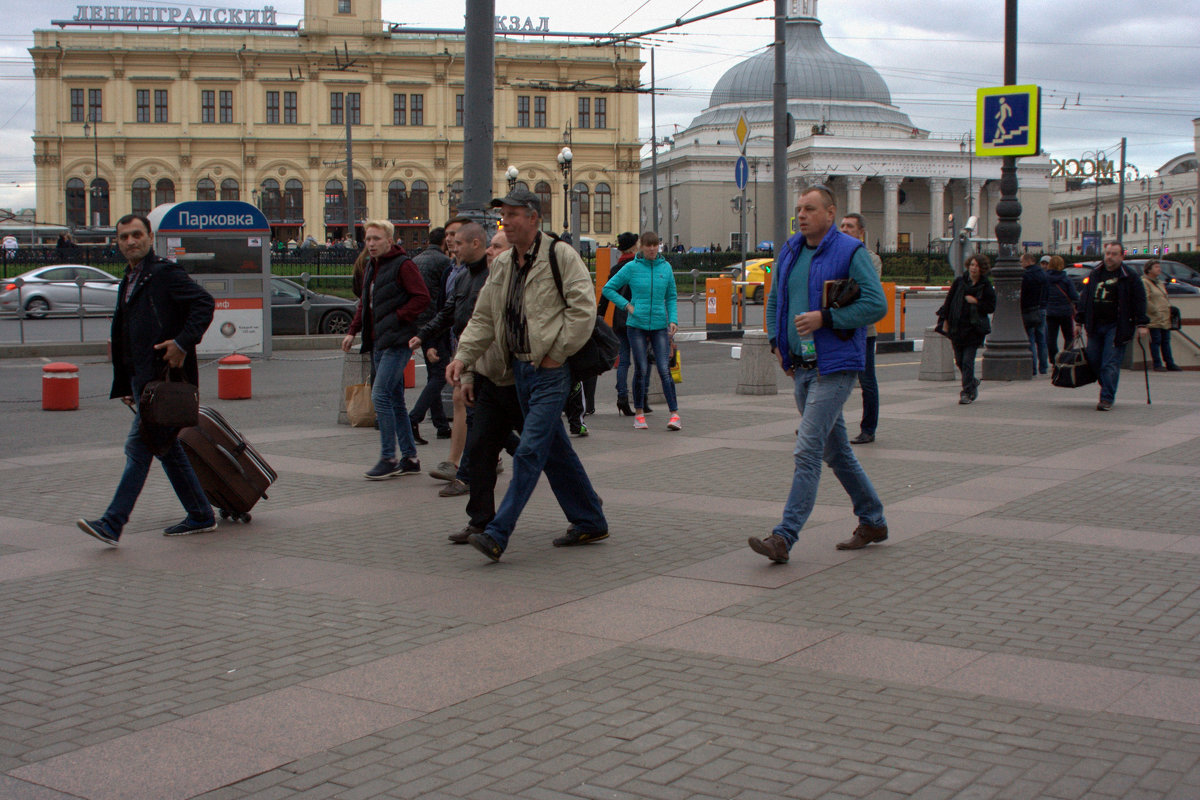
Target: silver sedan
[[56, 289]]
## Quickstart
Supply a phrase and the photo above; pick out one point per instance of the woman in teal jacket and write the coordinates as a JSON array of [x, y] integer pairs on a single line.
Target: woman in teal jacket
[[651, 321]]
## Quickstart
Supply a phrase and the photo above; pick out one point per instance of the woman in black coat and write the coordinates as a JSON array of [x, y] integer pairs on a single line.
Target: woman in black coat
[[964, 318]]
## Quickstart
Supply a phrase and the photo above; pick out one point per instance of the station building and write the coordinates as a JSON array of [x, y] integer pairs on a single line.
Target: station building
[[849, 137], [139, 106]]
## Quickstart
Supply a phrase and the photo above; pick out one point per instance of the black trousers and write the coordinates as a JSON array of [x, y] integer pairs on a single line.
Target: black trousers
[[497, 421]]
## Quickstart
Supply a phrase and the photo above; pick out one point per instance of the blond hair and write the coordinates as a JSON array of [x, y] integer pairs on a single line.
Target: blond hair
[[383, 225]]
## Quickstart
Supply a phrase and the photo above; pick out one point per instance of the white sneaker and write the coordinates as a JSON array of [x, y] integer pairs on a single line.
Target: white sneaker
[[674, 423], [639, 423]]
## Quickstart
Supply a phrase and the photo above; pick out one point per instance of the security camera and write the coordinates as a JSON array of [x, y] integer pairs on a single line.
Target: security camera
[[972, 224]]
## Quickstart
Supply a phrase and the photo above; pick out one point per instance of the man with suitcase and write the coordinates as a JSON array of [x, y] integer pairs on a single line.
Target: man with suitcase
[[161, 316]]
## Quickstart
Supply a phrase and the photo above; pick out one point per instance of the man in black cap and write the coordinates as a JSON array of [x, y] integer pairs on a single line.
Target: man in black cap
[[627, 243], [538, 321]]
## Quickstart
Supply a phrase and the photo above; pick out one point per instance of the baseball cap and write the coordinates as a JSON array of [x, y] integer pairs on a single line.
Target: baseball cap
[[1045, 260], [520, 198]]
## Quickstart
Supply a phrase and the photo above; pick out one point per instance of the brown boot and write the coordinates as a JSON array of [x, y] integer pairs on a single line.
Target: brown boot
[[773, 547], [864, 535]]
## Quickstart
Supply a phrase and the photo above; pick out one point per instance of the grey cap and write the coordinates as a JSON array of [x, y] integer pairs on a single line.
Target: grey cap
[[1045, 260], [520, 198]]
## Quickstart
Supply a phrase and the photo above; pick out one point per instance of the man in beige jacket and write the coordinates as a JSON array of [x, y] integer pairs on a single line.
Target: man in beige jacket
[[537, 327]]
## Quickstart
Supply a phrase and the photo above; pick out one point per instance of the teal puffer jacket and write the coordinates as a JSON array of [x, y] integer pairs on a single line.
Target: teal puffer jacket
[[652, 284]]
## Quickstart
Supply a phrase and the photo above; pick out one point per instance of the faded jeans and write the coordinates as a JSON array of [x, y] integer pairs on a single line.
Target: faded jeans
[[822, 436], [387, 393]]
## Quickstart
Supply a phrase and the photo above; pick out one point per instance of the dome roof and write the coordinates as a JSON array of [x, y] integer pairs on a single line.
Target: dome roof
[[823, 85]]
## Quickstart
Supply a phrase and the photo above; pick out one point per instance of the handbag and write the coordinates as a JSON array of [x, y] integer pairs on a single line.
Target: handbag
[[1031, 318], [839, 294], [1071, 368], [359, 408], [170, 403], [600, 352], [676, 364]]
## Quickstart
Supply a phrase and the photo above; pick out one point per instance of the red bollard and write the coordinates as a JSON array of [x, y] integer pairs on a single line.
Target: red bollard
[[410, 374], [233, 377], [60, 387]]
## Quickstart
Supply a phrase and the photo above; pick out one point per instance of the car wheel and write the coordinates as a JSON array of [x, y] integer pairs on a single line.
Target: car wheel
[[37, 307], [758, 294], [336, 321]]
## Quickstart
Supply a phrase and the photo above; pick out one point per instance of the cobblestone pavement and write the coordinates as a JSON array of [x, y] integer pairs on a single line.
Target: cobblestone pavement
[[1029, 629]]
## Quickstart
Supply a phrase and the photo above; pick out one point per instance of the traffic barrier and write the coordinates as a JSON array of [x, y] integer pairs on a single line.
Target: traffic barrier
[[410, 374], [233, 377], [718, 313], [60, 387]]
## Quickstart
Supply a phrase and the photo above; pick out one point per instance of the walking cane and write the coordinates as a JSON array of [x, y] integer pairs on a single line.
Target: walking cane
[[1145, 369]]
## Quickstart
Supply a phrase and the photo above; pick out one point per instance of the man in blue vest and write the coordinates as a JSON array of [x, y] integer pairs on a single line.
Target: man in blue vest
[[823, 349]]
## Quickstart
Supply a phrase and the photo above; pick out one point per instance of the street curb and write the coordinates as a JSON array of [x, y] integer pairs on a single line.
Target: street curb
[[61, 349]]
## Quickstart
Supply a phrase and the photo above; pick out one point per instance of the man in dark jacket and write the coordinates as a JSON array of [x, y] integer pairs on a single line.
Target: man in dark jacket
[[452, 318], [1034, 291], [394, 295], [1113, 310], [433, 263], [161, 316]]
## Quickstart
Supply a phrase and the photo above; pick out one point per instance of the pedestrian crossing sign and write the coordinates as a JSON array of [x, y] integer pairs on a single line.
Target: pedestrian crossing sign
[[1008, 121]]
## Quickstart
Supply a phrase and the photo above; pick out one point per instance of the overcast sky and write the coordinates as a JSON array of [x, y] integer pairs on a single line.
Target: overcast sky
[[1107, 69]]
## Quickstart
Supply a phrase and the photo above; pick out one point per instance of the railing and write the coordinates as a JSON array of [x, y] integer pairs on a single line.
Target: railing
[[21, 313]]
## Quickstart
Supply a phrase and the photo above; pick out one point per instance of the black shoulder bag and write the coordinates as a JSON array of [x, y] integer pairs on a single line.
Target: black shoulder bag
[[602, 349]]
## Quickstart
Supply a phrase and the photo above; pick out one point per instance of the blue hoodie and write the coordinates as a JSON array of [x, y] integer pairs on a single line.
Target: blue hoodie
[[652, 284]]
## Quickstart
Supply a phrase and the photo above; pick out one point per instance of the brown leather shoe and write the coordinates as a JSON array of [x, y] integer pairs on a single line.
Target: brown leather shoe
[[454, 488], [462, 536], [773, 547], [863, 536]]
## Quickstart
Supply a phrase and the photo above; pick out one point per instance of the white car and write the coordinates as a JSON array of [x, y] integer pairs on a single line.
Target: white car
[[56, 288]]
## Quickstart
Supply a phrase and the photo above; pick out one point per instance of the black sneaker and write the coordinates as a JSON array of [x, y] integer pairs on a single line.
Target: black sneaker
[[579, 430], [416, 429], [99, 529], [386, 468], [409, 466], [486, 545], [444, 433], [189, 526], [574, 536]]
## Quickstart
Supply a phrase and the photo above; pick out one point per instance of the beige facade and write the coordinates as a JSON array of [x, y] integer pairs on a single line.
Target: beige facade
[[256, 115]]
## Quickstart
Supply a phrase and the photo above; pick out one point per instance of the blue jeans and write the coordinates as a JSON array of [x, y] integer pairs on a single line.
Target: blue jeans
[[1105, 356], [387, 393], [823, 437], [137, 466], [870, 391], [623, 366], [545, 447], [639, 342], [1160, 347], [430, 399], [1037, 345]]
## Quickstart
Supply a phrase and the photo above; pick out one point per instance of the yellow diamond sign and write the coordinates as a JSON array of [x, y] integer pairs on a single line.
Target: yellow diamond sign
[[742, 132]]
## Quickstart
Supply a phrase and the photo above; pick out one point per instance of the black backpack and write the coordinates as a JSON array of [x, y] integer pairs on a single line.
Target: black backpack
[[601, 351]]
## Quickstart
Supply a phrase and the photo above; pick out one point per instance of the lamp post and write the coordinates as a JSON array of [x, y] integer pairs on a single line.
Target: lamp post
[[94, 131], [564, 163], [511, 174], [967, 144]]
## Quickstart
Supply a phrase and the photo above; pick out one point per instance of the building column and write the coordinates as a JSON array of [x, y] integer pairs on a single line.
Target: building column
[[854, 184], [937, 206], [891, 211], [974, 197]]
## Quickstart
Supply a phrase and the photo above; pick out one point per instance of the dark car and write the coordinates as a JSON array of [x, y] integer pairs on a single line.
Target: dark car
[[326, 313], [1079, 272]]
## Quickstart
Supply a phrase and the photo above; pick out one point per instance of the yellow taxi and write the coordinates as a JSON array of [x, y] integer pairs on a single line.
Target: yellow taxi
[[753, 271]]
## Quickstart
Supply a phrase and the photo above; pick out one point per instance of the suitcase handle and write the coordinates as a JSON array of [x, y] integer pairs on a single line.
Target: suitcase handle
[[232, 459]]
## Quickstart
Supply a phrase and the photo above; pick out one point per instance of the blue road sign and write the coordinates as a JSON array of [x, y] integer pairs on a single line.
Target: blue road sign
[[741, 172], [1007, 121]]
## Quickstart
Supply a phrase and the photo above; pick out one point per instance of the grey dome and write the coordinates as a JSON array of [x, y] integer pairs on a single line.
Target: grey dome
[[822, 84]]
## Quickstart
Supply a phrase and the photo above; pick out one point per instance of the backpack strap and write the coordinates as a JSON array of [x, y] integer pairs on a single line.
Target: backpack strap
[[554, 264]]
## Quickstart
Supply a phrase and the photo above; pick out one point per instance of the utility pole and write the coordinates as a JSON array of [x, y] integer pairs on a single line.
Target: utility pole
[[478, 110], [779, 112], [349, 169], [653, 151]]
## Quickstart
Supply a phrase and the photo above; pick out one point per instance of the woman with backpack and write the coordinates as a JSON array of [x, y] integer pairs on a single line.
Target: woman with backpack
[[651, 322], [964, 319]]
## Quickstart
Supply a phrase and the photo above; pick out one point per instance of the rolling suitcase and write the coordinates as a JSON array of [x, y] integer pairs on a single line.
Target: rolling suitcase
[[232, 472]]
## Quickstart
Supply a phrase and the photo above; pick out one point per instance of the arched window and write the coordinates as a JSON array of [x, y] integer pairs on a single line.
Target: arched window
[[140, 197], [397, 201], [1134, 217], [360, 201], [584, 202], [456, 193], [335, 203], [270, 201], [100, 203], [230, 190], [206, 189], [542, 190], [1189, 216], [602, 215], [76, 202], [418, 200], [164, 191], [293, 200]]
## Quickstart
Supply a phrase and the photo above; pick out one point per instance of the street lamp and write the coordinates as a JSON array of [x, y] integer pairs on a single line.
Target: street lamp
[[967, 144], [94, 132], [512, 173], [1098, 158], [564, 163]]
